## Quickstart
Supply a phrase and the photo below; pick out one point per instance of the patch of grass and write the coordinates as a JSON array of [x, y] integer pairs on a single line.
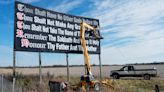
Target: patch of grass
[[30, 83], [136, 85]]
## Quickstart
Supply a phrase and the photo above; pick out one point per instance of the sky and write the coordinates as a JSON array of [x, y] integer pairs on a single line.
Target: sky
[[133, 31]]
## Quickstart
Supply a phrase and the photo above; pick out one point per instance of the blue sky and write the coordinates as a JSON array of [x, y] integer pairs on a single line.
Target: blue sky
[[133, 31]]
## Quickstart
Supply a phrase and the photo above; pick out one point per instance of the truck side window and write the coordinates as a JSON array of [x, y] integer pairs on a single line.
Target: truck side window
[[125, 68], [130, 68]]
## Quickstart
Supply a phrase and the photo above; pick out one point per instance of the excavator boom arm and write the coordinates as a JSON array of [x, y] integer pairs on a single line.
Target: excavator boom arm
[[83, 44]]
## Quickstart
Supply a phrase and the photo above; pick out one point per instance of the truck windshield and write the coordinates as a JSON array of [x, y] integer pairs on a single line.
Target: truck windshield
[[122, 68]]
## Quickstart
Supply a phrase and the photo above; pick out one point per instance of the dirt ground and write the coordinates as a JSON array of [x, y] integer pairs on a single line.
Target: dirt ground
[[78, 71]]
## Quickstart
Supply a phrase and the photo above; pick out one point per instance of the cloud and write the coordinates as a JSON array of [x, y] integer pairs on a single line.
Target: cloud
[[148, 51], [66, 6], [132, 29]]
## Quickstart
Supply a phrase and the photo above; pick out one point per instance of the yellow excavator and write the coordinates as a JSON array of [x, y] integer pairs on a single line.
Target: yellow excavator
[[88, 81]]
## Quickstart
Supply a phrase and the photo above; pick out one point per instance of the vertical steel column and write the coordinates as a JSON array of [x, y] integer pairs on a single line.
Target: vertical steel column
[[14, 52], [68, 76], [2, 83], [14, 63], [13, 85], [100, 65], [14, 73], [40, 68]]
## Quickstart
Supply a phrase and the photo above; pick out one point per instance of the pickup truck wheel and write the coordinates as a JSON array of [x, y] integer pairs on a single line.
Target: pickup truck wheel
[[116, 76], [147, 77]]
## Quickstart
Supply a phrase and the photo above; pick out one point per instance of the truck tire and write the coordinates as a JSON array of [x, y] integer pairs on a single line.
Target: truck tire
[[116, 76], [147, 77]]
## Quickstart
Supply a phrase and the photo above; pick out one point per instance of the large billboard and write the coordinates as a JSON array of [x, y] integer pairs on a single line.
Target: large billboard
[[41, 30]]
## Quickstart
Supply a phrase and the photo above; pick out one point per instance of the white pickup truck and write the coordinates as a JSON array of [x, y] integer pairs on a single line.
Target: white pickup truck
[[130, 71]]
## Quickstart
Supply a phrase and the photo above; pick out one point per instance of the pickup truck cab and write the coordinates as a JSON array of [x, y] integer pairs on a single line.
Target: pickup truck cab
[[130, 71]]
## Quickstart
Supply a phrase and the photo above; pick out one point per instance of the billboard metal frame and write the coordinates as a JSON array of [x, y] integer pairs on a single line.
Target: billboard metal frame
[[40, 61]]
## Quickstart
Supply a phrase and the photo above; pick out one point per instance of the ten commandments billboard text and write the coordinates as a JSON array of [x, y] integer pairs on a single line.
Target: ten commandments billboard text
[[41, 30]]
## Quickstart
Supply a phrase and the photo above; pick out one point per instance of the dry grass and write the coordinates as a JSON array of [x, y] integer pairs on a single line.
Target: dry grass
[[30, 83], [140, 85], [29, 80]]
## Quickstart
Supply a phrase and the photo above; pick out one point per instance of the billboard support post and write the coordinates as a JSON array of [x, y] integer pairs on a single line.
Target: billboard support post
[[13, 89], [14, 63], [100, 65], [2, 83], [68, 75], [40, 68]]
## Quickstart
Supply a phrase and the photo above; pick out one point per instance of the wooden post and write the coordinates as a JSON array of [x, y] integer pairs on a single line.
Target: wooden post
[[68, 76], [40, 68]]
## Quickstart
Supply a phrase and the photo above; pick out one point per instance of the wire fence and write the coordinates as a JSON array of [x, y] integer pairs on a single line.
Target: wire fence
[[8, 86]]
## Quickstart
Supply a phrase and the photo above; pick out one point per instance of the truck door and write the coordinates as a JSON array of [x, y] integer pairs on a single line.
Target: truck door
[[124, 71], [127, 71], [131, 71]]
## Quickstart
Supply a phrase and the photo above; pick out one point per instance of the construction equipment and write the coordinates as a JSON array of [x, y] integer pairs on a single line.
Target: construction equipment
[[88, 81]]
